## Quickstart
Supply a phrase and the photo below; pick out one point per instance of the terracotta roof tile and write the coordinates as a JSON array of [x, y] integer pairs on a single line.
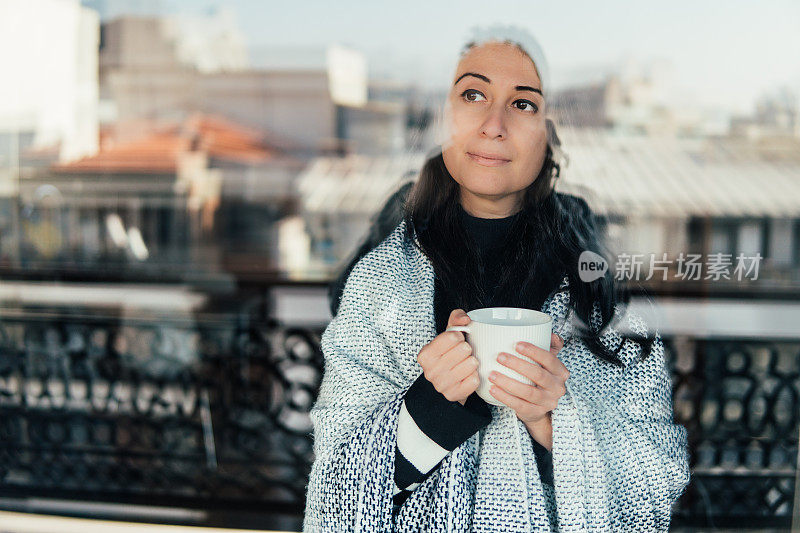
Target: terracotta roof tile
[[158, 152]]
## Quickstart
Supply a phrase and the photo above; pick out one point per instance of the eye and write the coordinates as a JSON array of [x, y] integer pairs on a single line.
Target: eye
[[534, 106], [470, 91]]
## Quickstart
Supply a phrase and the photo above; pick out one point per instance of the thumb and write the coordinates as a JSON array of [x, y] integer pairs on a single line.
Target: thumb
[[458, 317]]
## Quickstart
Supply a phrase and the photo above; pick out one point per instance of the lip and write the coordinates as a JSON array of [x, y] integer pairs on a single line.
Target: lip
[[488, 160]]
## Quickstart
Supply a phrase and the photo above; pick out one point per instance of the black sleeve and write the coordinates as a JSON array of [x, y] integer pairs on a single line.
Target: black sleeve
[[544, 460], [429, 427]]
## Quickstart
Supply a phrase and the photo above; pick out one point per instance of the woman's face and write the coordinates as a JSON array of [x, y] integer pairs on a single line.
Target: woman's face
[[494, 108]]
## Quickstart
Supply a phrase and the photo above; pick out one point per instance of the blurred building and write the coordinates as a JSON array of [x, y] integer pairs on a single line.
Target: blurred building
[[375, 128], [150, 68], [713, 195], [631, 103], [48, 101], [773, 127], [49, 97], [654, 195], [339, 195], [211, 42], [313, 100], [178, 194], [415, 106]]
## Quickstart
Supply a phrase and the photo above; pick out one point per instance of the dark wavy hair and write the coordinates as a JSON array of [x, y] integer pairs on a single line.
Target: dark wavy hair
[[543, 246]]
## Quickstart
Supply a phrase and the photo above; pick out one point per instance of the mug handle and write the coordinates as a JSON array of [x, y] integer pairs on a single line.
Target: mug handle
[[464, 329]]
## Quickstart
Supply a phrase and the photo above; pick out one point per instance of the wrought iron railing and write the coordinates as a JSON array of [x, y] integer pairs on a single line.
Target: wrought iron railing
[[205, 413], [738, 399], [212, 413]]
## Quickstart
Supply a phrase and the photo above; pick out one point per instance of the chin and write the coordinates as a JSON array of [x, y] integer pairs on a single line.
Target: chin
[[482, 190], [487, 182]]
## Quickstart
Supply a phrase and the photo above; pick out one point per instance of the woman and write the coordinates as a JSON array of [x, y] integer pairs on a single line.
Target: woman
[[402, 441]]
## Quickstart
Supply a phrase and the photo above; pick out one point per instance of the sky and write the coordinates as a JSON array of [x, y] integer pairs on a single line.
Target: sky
[[714, 53]]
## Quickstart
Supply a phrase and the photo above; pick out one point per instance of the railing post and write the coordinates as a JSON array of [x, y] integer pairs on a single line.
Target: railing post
[[796, 512]]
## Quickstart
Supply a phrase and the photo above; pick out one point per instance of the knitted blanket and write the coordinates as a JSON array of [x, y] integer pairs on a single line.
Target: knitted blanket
[[619, 462]]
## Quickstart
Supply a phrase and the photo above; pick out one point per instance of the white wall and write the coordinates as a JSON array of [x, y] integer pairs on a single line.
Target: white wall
[[48, 64], [781, 240], [211, 42], [644, 236], [295, 105]]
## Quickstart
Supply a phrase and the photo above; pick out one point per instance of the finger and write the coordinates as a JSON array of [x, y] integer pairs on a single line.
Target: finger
[[446, 340], [451, 358], [544, 357], [440, 345], [527, 392], [458, 317], [536, 373], [464, 388], [519, 405], [509, 399], [460, 372]]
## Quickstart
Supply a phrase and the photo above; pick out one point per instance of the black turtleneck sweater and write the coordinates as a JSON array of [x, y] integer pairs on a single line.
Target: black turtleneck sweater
[[429, 413], [489, 235]]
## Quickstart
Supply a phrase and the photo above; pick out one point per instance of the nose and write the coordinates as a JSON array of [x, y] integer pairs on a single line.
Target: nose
[[494, 125]]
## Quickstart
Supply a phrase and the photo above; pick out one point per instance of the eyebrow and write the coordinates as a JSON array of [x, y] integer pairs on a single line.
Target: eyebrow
[[487, 80]]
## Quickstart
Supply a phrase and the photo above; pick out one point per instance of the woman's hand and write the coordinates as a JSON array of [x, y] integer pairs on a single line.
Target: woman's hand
[[532, 403], [448, 363]]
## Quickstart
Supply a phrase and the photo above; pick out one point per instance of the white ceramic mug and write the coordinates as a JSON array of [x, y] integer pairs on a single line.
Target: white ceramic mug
[[497, 329]]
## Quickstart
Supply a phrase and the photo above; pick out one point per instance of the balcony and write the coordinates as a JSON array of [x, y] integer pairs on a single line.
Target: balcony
[[209, 414]]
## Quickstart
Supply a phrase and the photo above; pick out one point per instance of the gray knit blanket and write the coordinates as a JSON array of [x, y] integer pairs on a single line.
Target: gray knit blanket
[[619, 461]]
